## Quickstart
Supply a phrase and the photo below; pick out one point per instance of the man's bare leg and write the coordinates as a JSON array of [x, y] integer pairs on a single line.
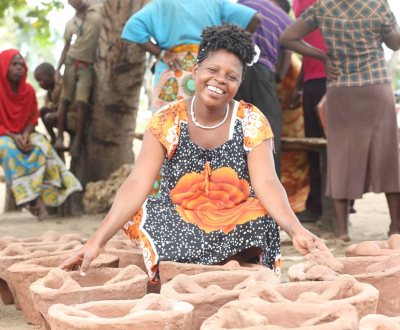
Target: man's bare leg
[[80, 128], [62, 116]]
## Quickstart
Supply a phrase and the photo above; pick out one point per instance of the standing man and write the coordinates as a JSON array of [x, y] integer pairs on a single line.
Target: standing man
[[312, 84], [81, 36], [259, 85]]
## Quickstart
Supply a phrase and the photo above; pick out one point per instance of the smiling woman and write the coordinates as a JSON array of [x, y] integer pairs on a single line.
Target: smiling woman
[[219, 191]]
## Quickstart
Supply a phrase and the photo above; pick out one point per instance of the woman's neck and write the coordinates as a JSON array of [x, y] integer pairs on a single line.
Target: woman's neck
[[206, 114], [14, 86]]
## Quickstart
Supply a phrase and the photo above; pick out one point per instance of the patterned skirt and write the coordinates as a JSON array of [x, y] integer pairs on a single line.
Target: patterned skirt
[[39, 172], [175, 85]]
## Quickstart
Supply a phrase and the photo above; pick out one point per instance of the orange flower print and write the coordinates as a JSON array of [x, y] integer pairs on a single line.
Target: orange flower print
[[215, 200], [178, 73]]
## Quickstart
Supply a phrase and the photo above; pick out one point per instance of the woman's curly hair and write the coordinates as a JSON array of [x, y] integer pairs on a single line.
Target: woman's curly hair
[[230, 37]]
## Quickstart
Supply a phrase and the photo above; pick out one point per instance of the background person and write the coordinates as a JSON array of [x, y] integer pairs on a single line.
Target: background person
[[81, 38], [259, 85], [38, 176], [363, 150], [219, 187], [45, 76]]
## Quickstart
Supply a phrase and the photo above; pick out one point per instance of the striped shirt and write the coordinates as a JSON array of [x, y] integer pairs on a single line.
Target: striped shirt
[[273, 22], [352, 30]]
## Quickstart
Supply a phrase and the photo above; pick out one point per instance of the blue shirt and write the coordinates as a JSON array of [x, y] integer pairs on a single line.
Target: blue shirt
[[178, 22]]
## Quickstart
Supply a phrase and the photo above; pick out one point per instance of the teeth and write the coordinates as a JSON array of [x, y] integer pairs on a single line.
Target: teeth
[[215, 89]]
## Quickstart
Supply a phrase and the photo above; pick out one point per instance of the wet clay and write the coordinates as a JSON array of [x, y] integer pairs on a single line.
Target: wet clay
[[257, 314], [69, 288], [25, 273], [153, 312], [208, 292], [344, 289], [375, 248], [379, 322], [49, 236], [169, 269], [17, 252], [381, 272]]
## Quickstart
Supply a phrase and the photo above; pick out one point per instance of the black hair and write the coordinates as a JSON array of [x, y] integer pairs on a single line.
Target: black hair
[[45, 68], [229, 37], [284, 4]]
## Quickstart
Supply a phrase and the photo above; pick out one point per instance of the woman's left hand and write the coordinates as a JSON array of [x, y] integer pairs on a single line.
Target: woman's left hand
[[306, 242], [24, 142]]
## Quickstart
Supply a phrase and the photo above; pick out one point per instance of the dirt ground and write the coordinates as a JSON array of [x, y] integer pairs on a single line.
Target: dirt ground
[[371, 222]]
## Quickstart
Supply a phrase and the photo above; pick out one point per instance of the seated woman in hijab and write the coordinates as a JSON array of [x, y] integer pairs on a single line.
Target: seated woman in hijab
[[37, 175]]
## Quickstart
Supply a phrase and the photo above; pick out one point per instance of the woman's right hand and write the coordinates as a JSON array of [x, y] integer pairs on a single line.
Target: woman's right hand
[[172, 60], [332, 72], [82, 258]]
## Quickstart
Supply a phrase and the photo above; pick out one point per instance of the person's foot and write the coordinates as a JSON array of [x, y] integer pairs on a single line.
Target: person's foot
[[37, 209], [342, 237], [307, 216], [59, 144], [75, 148]]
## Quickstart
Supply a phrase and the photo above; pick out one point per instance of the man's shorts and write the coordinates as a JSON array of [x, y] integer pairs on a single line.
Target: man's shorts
[[77, 81]]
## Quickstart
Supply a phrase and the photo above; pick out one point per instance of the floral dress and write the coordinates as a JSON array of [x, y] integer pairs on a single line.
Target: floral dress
[[207, 209]]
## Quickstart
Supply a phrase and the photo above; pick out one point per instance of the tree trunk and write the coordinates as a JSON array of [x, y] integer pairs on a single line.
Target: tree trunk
[[119, 70]]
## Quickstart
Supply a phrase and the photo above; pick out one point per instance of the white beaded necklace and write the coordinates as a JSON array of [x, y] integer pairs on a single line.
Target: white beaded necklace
[[207, 127]]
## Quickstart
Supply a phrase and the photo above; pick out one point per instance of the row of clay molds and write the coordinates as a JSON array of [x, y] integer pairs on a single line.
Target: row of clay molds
[[24, 273], [70, 288], [170, 269], [17, 252], [49, 236], [153, 312]]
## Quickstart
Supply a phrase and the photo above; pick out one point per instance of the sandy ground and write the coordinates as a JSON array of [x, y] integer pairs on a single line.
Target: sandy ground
[[371, 222]]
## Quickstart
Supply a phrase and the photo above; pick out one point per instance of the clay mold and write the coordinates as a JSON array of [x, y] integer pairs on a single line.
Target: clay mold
[[375, 248], [257, 314], [17, 252], [170, 269], [344, 289], [383, 273], [379, 322], [153, 312], [208, 292], [69, 288], [25, 273]]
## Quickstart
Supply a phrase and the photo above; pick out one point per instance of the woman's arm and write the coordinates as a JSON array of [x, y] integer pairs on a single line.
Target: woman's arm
[[169, 57], [282, 65], [293, 102], [272, 196], [392, 40], [254, 23], [128, 200], [291, 39]]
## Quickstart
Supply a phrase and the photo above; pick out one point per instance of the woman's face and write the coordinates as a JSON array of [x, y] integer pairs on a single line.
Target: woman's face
[[217, 78], [16, 69]]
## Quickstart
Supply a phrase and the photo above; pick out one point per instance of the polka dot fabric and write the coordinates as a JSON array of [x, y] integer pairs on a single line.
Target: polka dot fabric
[[206, 210]]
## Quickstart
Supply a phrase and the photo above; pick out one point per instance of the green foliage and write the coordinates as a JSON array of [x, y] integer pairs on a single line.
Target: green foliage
[[30, 20]]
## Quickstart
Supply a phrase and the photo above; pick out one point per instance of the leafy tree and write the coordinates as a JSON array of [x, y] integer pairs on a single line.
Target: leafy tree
[[30, 19]]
